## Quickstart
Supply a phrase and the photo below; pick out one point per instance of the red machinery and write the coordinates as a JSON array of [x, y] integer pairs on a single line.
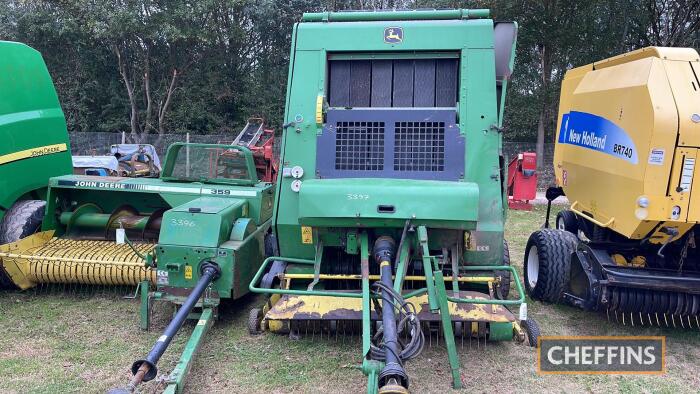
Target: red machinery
[[522, 181], [261, 142]]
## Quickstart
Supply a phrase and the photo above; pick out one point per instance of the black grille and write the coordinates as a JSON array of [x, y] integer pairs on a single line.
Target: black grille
[[359, 146], [419, 146]]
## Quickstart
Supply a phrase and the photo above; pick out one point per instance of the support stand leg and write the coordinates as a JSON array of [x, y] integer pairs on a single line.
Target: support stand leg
[[447, 329], [145, 309]]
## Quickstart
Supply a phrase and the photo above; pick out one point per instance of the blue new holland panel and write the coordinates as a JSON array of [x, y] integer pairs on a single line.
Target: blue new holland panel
[[597, 133]]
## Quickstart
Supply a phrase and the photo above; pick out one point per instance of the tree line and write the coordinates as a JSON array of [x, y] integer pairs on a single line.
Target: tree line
[[204, 66]]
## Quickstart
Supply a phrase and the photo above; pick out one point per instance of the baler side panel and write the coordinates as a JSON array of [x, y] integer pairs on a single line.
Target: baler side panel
[[33, 132], [635, 103], [478, 113]]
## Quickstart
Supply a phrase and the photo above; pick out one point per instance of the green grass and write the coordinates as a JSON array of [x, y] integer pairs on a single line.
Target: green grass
[[54, 342]]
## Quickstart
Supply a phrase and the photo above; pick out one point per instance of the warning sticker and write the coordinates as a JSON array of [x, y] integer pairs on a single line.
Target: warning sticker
[[188, 272], [162, 277], [307, 236], [656, 156]]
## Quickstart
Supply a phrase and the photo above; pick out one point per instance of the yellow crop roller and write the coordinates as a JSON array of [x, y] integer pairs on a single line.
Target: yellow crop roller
[[40, 258], [626, 150]]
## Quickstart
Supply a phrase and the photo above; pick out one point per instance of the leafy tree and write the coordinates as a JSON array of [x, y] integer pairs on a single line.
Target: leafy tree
[[157, 66]]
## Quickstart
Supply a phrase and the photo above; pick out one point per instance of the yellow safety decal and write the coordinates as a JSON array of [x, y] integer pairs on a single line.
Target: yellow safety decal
[[33, 152], [188, 272], [319, 109], [307, 236], [383, 263]]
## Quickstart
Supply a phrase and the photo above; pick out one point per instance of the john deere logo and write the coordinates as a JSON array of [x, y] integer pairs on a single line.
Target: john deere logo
[[393, 35]]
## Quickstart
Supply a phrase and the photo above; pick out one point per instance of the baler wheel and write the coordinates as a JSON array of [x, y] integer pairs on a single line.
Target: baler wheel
[[547, 261], [21, 220], [254, 318], [567, 221], [532, 330], [501, 291]]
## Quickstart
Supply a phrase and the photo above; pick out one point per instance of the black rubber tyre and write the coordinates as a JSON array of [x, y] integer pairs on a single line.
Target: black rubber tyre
[[21, 220], [546, 263], [567, 221], [501, 291], [254, 318], [270, 245], [532, 330]]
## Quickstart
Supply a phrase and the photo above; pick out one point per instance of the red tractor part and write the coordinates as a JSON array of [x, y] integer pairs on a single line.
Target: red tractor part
[[522, 181], [261, 142], [263, 153]]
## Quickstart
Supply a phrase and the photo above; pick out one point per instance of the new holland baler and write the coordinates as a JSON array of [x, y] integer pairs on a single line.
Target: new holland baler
[[625, 156]]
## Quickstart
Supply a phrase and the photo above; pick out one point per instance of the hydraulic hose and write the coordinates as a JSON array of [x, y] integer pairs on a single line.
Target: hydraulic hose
[[145, 369], [408, 320]]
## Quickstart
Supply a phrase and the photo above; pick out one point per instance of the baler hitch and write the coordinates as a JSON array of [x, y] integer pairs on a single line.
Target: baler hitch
[[144, 370]]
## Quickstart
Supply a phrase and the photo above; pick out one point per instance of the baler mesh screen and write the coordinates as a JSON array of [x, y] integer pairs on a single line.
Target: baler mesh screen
[[359, 146], [419, 146]]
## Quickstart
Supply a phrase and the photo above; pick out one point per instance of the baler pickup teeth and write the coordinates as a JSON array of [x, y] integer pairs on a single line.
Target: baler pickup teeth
[[654, 308], [42, 259]]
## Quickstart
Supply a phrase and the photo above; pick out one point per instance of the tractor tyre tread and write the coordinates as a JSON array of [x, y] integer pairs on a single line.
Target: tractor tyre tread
[[254, 319], [570, 221], [503, 289], [21, 220], [554, 248], [532, 330]]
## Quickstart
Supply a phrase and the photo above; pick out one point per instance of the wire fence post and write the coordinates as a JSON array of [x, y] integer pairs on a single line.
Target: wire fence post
[[187, 156], [123, 137]]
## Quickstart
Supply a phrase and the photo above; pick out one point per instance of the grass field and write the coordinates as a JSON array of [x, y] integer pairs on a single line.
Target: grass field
[[52, 342]]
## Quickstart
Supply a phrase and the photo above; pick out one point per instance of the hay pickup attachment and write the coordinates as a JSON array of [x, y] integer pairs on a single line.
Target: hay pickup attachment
[[192, 237], [390, 210], [625, 156]]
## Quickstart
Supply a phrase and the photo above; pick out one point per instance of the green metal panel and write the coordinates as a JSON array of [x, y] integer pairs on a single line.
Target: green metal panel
[[35, 143], [239, 260], [181, 263], [394, 15], [417, 36], [206, 221], [362, 199]]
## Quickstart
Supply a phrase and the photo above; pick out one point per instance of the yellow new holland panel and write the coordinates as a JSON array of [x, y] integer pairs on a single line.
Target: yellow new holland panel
[[616, 154]]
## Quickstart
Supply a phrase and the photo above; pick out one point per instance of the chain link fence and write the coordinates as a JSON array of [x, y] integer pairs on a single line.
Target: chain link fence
[[99, 144]]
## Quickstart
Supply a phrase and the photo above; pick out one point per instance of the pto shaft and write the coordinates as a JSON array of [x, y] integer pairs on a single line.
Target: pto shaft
[[145, 369], [393, 378]]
